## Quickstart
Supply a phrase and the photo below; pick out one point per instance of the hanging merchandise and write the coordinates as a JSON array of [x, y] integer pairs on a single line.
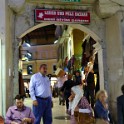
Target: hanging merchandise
[[90, 64], [69, 65], [84, 56], [84, 60], [66, 61], [73, 60], [87, 48], [66, 64]]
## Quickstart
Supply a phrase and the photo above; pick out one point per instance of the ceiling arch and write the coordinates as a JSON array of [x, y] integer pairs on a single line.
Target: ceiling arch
[[74, 26]]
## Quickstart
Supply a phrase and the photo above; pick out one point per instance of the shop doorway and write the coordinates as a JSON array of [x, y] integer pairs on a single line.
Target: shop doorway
[[89, 33]]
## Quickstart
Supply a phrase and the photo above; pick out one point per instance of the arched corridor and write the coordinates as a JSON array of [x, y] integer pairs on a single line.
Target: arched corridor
[[80, 23], [46, 48]]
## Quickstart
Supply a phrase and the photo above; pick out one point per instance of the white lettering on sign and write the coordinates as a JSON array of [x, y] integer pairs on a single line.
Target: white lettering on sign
[[60, 13], [62, 16], [50, 12], [69, 13], [63, 20], [49, 19], [80, 14]]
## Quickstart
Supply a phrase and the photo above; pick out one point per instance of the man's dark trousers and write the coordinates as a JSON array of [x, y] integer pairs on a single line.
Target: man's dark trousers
[[43, 110]]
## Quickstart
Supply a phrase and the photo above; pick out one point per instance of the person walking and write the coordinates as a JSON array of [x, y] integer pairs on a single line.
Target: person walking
[[120, 107], [67, 89], [77, 78], [90, 95], [40, 91], [86, 70], [61, 79]]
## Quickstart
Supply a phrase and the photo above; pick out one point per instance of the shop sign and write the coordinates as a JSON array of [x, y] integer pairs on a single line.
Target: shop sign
[[42, 15], [69, 0]]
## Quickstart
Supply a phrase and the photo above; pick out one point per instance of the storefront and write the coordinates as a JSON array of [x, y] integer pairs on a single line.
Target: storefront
[[80, 52]]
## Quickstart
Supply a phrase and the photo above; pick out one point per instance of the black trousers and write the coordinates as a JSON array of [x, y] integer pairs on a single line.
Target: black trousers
[[90, 95], [67, 95], [61, 97]]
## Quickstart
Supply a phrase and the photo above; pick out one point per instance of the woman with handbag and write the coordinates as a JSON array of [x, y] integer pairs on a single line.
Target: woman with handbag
[[101, 108], [77, 104]]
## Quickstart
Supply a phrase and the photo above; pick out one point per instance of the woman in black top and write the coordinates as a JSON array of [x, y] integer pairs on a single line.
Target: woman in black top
[[67, 89], [77, 78]]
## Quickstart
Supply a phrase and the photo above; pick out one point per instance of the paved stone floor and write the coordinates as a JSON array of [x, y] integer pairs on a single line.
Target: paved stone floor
[[59, 114]]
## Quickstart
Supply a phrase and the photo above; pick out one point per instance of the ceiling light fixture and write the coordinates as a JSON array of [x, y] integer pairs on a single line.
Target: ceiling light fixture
[[26, 42], [29, 54], [55, 41]]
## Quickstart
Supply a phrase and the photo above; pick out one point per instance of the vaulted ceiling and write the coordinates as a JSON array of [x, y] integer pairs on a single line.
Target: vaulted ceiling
[[42, 36]]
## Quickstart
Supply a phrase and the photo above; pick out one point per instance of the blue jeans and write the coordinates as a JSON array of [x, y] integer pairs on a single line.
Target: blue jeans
[[43, 110]]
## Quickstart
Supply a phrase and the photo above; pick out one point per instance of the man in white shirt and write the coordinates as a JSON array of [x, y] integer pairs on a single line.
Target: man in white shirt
[[40, 92]]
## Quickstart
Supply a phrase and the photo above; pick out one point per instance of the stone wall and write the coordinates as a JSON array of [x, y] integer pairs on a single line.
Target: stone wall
[[114, 44], [111, 43], [9, 56], [6, 36], [25, 21]]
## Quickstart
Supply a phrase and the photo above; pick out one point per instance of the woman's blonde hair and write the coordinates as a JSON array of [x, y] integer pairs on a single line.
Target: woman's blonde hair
[[101, 92]]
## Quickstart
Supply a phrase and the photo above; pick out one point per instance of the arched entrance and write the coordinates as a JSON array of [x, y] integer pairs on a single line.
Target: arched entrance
[[86, 30]]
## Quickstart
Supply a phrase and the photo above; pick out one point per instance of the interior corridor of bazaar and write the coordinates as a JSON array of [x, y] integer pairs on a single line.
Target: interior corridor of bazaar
[[66, 50], [73, 36]]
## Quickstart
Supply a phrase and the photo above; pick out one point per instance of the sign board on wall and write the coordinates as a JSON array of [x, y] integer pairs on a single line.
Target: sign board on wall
[[42, 15]]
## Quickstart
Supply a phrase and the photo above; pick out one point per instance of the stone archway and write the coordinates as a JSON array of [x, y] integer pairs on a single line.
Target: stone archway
[[75, 26], [86, 30]]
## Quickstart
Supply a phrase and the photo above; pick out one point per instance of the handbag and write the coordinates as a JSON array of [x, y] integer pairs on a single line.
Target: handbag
[[101, 121], [84, 118]]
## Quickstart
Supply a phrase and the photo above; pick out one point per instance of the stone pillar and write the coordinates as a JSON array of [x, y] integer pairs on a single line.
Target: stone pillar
[[114, 47], [15, 67], [101, 68], [3, 60], [6, 68]]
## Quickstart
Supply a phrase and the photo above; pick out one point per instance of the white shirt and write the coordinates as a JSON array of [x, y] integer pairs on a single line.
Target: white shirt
[[39, 86]]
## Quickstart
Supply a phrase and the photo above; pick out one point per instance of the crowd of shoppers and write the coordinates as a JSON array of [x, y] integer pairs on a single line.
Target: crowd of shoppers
[[78, 93]]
